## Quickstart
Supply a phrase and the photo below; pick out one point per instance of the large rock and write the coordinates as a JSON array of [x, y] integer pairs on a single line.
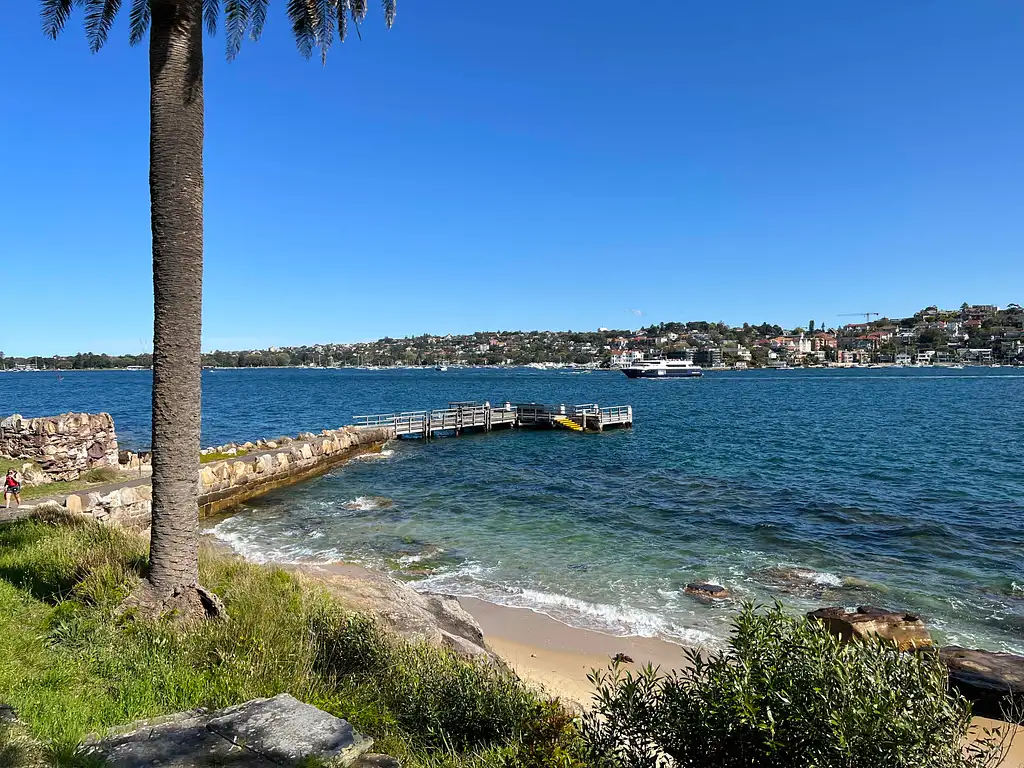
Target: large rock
[[706, 591], [261, 733], [904, 629], [286, 730], [990, 680], [420, 617]]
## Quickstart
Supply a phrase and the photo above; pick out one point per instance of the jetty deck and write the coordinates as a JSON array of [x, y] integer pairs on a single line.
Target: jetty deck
[[483, 417]]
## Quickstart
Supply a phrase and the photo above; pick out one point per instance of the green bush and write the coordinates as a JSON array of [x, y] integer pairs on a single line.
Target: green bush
[[100, 475], [786, 694]]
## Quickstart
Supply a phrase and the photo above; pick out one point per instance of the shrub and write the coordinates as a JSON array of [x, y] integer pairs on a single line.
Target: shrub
[[449, 701], [100, 475], [786, 694]]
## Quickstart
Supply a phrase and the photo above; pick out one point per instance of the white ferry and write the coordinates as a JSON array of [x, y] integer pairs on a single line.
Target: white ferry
[[662, 369]]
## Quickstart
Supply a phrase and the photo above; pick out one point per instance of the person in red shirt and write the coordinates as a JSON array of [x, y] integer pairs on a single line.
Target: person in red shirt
[[12, 488]]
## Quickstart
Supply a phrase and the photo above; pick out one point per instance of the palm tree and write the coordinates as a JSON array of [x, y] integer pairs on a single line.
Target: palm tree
[[176, 202]]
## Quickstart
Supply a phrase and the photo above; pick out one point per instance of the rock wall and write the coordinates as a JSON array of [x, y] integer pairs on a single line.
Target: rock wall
[[231, 481], [228, 482], [63, 446]]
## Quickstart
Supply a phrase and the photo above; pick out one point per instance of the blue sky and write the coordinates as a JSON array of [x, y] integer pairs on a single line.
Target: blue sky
[[486, 166]]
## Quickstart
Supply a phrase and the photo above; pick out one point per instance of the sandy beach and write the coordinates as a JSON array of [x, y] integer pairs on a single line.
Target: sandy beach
[[558, 658]]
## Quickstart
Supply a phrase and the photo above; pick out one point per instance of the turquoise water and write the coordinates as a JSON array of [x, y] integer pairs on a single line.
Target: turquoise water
[[902, 488]]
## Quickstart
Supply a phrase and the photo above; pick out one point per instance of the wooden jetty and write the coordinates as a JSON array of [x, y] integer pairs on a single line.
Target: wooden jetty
[[483, 417]]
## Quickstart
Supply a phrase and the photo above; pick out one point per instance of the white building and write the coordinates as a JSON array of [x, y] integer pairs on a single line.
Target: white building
[[627, 358]]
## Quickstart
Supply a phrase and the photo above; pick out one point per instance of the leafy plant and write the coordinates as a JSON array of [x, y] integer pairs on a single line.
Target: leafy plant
[[786, 694]]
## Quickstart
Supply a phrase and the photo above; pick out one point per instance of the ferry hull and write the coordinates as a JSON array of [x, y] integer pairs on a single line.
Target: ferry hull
[[662, 374]]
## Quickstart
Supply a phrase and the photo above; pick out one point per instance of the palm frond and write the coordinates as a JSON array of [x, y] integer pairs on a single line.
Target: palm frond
[[55, 14], [344, 9], [99, 18], [302, 26], [358, 11], [324, 15], [236, 24], [257, 17], [138, 20], [211, 12], [389, 12]]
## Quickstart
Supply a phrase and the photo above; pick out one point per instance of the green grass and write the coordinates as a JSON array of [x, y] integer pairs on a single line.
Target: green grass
[[206, 458], [70, 666]]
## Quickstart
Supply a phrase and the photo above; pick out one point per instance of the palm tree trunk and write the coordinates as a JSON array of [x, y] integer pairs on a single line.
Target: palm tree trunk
[[176, 192]]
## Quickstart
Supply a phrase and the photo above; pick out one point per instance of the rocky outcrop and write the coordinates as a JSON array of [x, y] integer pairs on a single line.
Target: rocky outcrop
[[994, 682], [904, 629], [62, 446], [419, 617], [261, 733]]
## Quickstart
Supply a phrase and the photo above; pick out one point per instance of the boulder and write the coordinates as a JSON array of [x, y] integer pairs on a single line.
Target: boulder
[[207, 477], [989, 680], [262, 733], [705, 591], [30, 475], [286, 730], [906, 630], [439, 620]]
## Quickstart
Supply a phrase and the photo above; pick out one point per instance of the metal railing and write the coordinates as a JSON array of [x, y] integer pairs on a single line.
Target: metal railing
[[470, 414], [617, 414]]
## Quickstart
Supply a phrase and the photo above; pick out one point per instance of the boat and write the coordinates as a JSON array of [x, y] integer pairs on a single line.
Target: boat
[[440, 367], [662, 369]]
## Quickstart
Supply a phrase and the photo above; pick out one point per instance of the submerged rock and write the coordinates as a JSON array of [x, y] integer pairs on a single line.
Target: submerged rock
[[991, 681], [905, 629], [705, 591]]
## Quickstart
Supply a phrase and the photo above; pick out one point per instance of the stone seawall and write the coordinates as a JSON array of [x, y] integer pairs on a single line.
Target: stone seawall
[[62, 446], [231, 481], [227, 482]]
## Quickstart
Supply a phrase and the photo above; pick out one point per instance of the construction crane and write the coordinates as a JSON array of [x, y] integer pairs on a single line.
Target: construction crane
[[867, 315]]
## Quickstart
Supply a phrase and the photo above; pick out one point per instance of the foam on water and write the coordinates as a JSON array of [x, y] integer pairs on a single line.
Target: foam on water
[[383, 455], [367, 503], [471, 580]]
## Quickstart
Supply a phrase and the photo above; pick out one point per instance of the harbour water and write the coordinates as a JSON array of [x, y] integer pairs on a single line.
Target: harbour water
[[895, 487]]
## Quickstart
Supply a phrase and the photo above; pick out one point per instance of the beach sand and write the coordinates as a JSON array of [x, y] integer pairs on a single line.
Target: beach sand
[[558, 658]]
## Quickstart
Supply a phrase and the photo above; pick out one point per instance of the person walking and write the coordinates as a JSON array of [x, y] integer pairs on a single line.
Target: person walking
[[12, 487]]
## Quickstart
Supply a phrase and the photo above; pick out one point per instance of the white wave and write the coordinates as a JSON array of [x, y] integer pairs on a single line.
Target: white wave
[[387, 453], [825, 579], [821, 578], [366, 503], [410, 559], [316, 534], [1016, 587], [621, 620], [245, 545]]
